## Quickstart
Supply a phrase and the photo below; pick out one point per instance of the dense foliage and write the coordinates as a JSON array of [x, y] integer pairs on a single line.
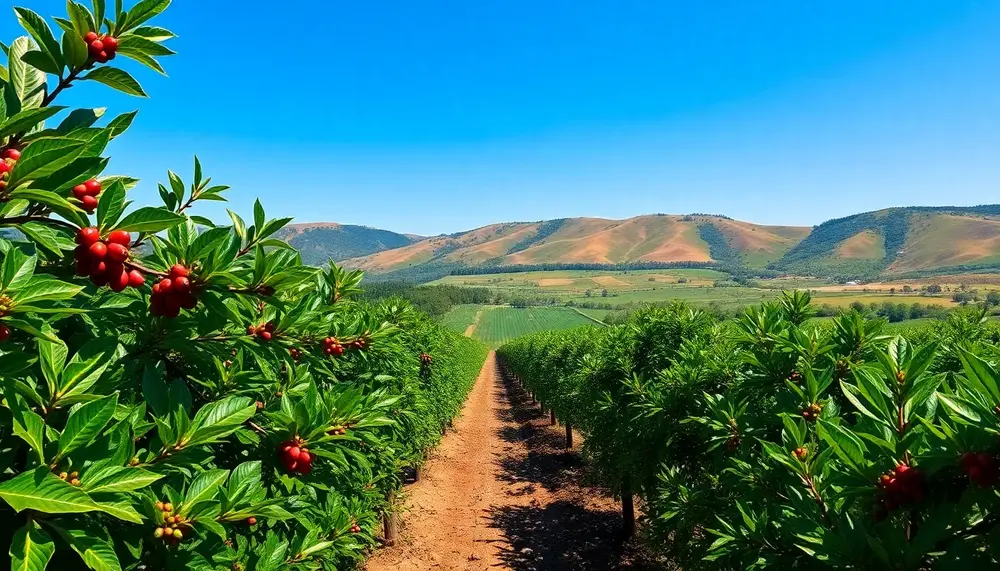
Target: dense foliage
[[773, 442], [244, 412]]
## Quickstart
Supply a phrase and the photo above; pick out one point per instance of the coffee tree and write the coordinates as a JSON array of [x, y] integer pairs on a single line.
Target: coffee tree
[[179, 393], [772, 441]]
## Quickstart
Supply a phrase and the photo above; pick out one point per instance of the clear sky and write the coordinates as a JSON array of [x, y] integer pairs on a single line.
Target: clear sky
[[442, 115]]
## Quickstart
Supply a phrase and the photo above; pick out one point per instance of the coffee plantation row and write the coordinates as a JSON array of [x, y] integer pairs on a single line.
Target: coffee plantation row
[[773, 441], [179, 394]]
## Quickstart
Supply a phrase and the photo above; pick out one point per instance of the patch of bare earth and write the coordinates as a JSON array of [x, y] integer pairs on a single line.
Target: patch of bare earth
[[502, 493], [475, 323]]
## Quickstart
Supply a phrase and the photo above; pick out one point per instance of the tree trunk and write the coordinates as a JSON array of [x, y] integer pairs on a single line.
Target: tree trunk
[[628, 508], [390, 523], [569, 436], [552, 416]]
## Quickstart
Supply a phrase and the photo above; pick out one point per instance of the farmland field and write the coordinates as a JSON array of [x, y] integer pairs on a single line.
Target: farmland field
[[501, 324], [603, 290], [461, 317]]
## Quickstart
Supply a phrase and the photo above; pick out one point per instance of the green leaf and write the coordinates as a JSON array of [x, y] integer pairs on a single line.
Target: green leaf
[[56, 203], [41, 61], [44, 236], [16, 270], [43, 491], [203, 488], [848, 447], [137, 44], [117, 79], [39, 29], [74, 50], [111, 205], [960, 407], [97, 553], [121, 123], [26, 82], [154, 33], [117, 479], [26, 119], [150, 220], [45, 289], [53, 359], [86, 366], [31, 326], [85, 424], [28, 426], [45, 157], [258, 214], [144, 11], [31, 548], [218, 419], [80, 118]]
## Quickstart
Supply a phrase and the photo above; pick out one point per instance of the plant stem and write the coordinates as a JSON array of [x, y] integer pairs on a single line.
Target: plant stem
[[63, 84]]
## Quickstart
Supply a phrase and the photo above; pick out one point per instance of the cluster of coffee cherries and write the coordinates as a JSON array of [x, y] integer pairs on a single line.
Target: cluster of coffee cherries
[[102, 48], [171, 526], [72, 477], [87, 193], [332, 346], [251, 520], [801, 453], [104, 259], [173, 293], [295, 353], [811, 412], [355, 528], [426, 359], [359, 344], [7, 160], [295, 457], [337, 431], [902, 486], [982, 468], [264, 331]]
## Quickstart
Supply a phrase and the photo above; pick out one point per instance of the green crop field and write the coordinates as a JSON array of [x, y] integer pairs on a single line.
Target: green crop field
[[501, 324], [461, 317]]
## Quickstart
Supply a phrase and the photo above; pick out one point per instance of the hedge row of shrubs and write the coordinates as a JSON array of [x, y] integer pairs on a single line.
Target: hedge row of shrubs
[[773, 442], [180, 393]]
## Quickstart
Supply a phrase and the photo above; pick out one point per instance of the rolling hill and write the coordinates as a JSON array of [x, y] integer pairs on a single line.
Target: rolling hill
[[652, 239], [899, 242], [320, 242], [895, 242]]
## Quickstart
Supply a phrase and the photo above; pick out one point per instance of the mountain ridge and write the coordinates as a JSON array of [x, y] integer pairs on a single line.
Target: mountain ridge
[[889, 242]]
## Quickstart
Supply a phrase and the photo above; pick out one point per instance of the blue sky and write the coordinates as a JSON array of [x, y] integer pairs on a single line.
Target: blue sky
[[443, 115]]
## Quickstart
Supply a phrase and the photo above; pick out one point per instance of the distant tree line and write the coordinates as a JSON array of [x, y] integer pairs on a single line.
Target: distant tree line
[[627, 266]]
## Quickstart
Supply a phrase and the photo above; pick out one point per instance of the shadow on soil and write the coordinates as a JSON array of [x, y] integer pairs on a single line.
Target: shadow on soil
[[562, 535]]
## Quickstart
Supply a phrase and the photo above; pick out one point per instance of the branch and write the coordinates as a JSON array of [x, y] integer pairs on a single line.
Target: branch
[[64, 83], [145, 270]]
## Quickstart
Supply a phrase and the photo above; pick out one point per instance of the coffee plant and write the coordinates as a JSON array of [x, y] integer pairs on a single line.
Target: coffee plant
[[177, 393], [775, 441]]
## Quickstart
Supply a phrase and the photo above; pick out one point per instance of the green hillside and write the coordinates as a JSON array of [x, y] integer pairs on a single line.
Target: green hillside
[[319, 243], [898, 241]]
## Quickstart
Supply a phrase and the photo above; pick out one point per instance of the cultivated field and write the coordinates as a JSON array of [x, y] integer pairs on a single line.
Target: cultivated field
[[609, 289], [499, 324]]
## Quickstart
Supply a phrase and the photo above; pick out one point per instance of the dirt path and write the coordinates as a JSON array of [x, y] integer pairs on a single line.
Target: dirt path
[[501, 493], [475, 323]]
